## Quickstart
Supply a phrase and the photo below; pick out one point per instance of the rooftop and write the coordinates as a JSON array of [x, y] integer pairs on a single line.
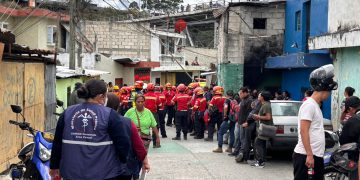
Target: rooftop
[[33, 12]]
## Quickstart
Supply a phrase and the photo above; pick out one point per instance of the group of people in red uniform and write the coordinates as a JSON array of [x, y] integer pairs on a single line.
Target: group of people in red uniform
[[185, 106]]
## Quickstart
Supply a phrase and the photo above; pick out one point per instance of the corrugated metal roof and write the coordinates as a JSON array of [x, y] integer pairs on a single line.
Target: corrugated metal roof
[[65, 72]]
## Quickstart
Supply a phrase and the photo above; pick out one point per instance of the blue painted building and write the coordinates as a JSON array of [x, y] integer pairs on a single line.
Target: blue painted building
[[303, 19]]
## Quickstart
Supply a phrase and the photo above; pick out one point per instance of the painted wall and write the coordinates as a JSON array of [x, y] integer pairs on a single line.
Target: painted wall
[[33, 33], [302, 81], [318, 23], [61, 88], [347, 66], [343, 15]]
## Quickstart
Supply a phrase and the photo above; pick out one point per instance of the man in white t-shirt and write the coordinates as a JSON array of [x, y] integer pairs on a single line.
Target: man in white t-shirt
[[309, 151]]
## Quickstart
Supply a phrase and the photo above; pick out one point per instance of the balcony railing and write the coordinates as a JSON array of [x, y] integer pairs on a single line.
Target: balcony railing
[[168, 60]]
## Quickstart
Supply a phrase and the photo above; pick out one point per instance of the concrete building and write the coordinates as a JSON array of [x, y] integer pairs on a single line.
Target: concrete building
[[248, 33], [37, 29], [343, 42], [123, 48], [304, 19], [184, 55]]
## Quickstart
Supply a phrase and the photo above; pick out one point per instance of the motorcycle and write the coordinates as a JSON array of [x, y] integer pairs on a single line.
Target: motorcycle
[[34, 156], [338, 163]]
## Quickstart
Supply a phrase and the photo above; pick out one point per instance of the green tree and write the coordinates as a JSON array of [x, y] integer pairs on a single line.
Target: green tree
[[165, 6], [134, 5]]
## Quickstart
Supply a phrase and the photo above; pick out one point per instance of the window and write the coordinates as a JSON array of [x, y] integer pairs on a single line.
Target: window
[[259, 23], [4, 25], [297, 21], [51, 35], [285, 108]]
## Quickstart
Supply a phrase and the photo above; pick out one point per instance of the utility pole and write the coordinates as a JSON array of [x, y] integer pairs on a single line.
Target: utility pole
[[79, 50], [72, 34]]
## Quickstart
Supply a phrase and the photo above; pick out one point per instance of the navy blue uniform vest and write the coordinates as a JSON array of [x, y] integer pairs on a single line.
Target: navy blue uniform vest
[[87, 149]]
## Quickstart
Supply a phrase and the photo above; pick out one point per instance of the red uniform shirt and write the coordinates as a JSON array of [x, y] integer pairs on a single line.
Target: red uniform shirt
[[192, 102], [162, 100], [200, 104], [124, 99], [118, 94], [169, 95], [182, 101], [152, 101], [218, 101]]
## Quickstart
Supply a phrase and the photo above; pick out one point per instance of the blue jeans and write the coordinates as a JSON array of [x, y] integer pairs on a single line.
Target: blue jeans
[[225, 126]]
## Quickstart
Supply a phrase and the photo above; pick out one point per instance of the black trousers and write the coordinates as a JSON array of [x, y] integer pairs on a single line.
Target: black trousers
[[199, 124], [215, 119], [156, 116], [249, 136], [181, 122], [260, 149], [300, 169], [190, 121], [170, 110], [162, 114]]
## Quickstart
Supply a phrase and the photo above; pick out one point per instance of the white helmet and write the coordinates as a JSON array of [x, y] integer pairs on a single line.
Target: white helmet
[[321, 79]]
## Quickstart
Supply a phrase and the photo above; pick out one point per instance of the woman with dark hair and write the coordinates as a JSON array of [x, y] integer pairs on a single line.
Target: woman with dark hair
[[144, 120], [349, 91], [138, 151], [91, 138], [265, 117]]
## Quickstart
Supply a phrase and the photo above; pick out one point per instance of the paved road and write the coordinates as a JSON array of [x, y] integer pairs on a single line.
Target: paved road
[[194, 159]]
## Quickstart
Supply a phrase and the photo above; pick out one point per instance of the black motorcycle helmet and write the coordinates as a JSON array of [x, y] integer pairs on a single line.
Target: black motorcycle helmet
[[321, 79]]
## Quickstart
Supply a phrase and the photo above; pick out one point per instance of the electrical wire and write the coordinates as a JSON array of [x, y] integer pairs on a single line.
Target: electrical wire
[[31, 25], [151, 33], [12, 11], [7, 9], [27, 17]]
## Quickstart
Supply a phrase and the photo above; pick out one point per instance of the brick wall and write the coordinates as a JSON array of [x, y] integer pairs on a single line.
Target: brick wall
[[120, 38]]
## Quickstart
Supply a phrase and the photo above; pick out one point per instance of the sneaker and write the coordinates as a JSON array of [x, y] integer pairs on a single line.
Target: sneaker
[[165, 136], [192, 134], [168, 125], [258, 164], [198, 137], [185, 137], [209, 139], [157, 146], [176, 138], [218, 150]]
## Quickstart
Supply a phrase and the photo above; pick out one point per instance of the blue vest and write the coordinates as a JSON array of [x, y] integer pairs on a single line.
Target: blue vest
[[87, 149]]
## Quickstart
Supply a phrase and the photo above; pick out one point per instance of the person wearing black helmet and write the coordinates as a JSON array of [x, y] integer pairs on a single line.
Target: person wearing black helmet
[[309, 151], [351, 130]]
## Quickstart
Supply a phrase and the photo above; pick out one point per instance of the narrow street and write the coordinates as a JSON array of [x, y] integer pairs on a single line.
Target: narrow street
[[194, 159]]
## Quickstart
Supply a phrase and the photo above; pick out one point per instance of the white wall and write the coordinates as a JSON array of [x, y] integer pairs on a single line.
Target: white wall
[[205, 55], [344, 13], [107, 64], [155, 48]]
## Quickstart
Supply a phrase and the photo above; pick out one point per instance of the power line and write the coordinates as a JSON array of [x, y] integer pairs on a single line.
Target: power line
[[22, 22], [31, 25], [7, 9], [151, 33], [12, 11]]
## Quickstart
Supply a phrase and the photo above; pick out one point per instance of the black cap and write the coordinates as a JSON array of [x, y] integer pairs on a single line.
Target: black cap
[[353, 102]]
